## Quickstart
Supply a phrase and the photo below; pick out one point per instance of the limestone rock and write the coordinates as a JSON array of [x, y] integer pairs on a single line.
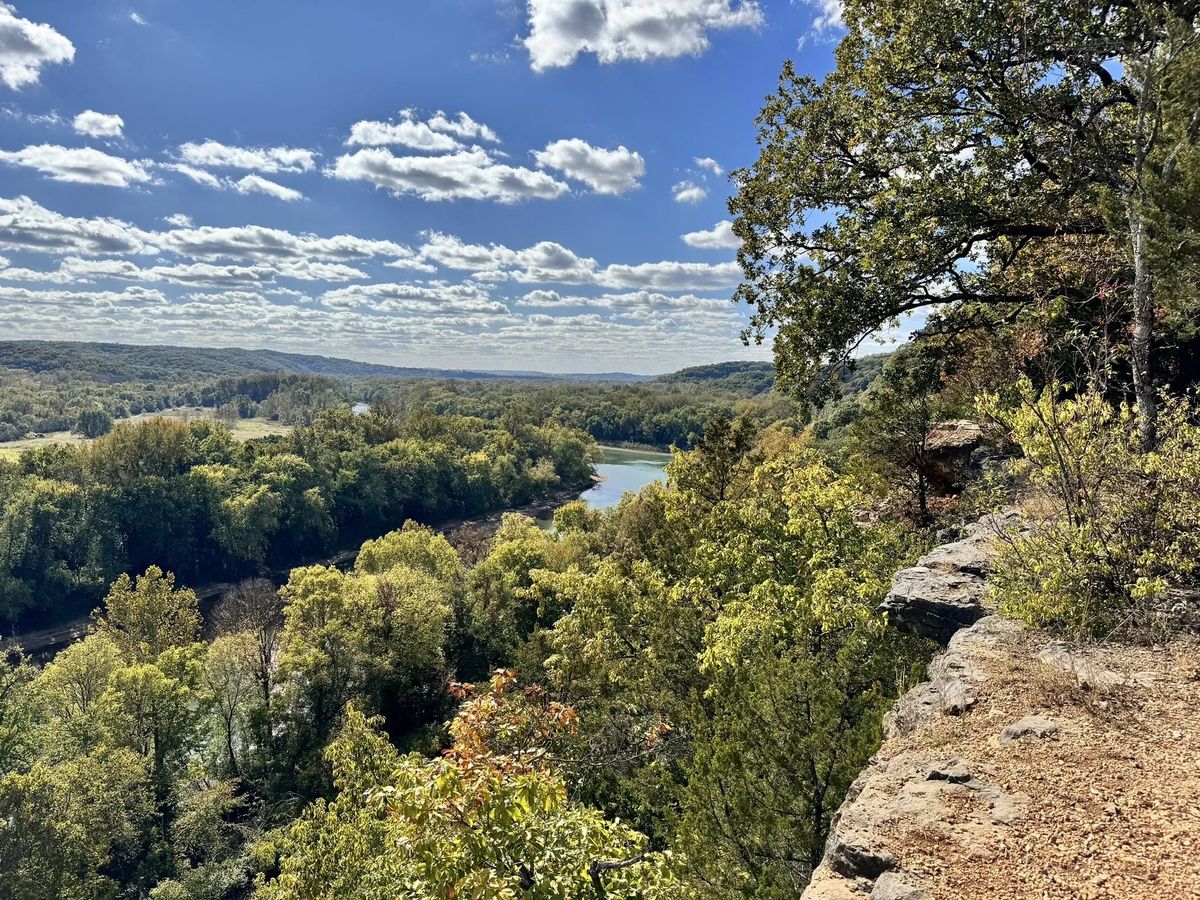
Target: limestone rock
[[953, 678], [949, 447], [971, 555], [934, 603], [898, 886], [1037, 727]]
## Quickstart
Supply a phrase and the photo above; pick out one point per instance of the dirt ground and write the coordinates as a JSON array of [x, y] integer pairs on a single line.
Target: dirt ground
[[1108, 806]]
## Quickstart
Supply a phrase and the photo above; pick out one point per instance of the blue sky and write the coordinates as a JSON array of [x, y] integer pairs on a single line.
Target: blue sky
[[485, 183]]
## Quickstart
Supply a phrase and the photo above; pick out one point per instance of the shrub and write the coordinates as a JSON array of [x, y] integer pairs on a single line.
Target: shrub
[[1113, 525]]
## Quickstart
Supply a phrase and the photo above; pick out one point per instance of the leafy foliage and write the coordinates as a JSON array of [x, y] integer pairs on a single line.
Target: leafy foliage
[[483, 821], [1115, 525]]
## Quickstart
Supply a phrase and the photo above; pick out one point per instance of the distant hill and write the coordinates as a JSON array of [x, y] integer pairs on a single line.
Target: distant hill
[[759, 377], [742, 377], [111, 363]]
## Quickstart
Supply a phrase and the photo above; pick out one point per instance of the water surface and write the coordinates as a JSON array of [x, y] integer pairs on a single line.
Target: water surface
[[624, 470]]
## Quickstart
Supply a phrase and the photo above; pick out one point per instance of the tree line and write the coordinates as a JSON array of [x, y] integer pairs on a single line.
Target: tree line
[[190, 498]]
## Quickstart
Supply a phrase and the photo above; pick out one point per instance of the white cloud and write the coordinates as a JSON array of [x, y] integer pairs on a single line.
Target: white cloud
[[464, 127], [409, 131], [669, 275], [137, 296], [213, 154], [688, 192], [604, 171], [629, 29], [471, 174], [48, 118], [432, 299], [25, 225], [544, 299], [827, 22], [26, 46], [720, 236], [75, 270], [179, 220], [256, 184], [80, 165], [547, 261], [98, 125], [708, 164], [136, 18], [451, 252], [257, 242], [439, 134], [208, 179]]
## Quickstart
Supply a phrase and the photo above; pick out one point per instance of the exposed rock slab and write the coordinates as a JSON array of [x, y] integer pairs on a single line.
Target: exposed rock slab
[[944, 592], [910, 793], [1029, 728], [934, 603], [940, 597]]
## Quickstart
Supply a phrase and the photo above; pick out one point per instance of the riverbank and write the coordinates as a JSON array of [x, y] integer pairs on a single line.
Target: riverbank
[[464, 533]]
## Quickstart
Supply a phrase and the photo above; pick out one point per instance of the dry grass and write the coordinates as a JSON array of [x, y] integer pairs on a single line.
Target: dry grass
[[243, 430]]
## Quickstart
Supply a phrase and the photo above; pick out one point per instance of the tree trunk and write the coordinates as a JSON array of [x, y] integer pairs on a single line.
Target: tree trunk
[[1143, 323]]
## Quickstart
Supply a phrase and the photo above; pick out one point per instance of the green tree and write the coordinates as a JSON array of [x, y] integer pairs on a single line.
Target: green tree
[[16, 710], [951, 143], [482, 821], [147, 616], [74, 830], [94, 423]]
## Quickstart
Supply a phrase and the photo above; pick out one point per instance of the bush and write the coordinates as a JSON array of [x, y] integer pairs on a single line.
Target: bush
[[94, 423], [1113, 526]]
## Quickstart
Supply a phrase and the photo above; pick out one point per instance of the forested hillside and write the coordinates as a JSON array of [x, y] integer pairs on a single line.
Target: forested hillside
[[669, 699], [110, 363], [192, 500]]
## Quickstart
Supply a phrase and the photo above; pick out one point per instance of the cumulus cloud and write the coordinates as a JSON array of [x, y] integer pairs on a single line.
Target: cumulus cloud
[[548, 262], [720, 236], [256, 184], [467, 174], [98, 125], [208, 179], [257, 242], [827, 22], [432, 299], [463, 127], [213, 154], [137, 296], [26, 46], [545, 261], [688, 192], [79, 165], [604, 171], [179, 220], [453, 253], [629, 29], [437, 135], [76, 270], [669, 275], [708, 164], [26, 225]]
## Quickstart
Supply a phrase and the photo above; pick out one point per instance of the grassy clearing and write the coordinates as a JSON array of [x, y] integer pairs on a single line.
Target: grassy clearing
[[243, 430]]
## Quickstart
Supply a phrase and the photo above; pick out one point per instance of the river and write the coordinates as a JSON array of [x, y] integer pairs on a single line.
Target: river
[[622, 470], [619, 470]]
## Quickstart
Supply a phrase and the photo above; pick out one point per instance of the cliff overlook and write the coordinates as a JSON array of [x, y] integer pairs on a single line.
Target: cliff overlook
[[1024, 767]]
